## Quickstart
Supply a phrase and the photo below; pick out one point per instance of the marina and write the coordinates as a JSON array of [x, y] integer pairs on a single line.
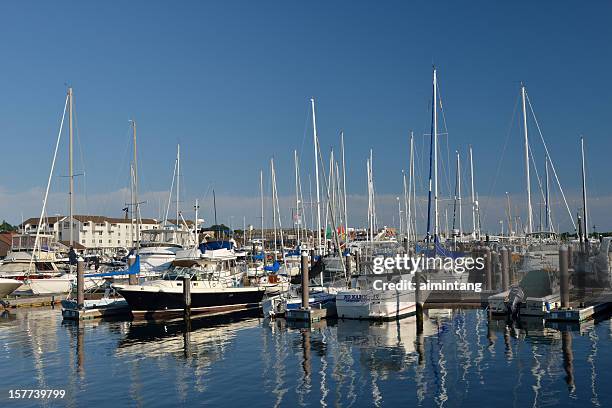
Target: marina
[[288, 204]]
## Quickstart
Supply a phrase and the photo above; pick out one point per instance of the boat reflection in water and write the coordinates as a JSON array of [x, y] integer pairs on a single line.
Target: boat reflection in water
[[187, 338], [459, 358]]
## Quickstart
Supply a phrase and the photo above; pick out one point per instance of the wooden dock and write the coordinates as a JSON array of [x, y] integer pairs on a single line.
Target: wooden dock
[[31, 301], [311, 314]]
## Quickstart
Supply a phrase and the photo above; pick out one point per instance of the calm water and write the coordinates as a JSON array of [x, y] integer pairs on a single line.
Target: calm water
[[462, 359]]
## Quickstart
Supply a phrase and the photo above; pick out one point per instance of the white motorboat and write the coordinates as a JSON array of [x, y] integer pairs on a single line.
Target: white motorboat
[[35, 269], [364, 301], [158, 248]]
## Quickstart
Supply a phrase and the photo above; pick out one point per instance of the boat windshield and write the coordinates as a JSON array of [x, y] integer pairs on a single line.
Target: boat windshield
[[179, 272]]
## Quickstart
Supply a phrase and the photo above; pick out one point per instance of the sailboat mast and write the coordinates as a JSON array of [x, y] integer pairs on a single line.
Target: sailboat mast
[[435, 148], [406, 211], [528, 179], [71, 170], [297, 198], [135, 204], [584, 196], [509, 215], [273, 203], [408, 204], [178, 181], [346, 234], [315, 140], [474, 236], [547, 198], [195, 226], [459, 195], [262, 215]]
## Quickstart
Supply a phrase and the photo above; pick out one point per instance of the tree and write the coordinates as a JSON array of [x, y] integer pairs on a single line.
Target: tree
[[6, 227]]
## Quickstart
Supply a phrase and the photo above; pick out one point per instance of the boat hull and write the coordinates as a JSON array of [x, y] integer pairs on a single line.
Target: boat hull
[[379, 305], [147, 302], [44, 286], [7, 286]]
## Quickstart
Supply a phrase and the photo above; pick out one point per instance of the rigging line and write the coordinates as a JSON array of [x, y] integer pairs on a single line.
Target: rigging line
[[120, 170], [416, 169], [552, 165], [446, 169], [483, 209], [535, 169], [42, 211], [170, 194]]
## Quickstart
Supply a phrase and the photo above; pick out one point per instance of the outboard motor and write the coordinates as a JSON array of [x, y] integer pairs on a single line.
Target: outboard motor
[[516, 296]]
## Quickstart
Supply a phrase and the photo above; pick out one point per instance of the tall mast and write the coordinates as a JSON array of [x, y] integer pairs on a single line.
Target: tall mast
[[262, 214], [459, 195], [547, 198], [474, 235], [370, 223], [71, 170], [528, 179], [273, 203], [374, 227], [178, 181], [509, 215], [433, 163], [435, 148], [315, 140], [406, 210], [584, 196], [410, 174], [215, 205], [135, 204], [297, 198], [197, 230], [346, 234]]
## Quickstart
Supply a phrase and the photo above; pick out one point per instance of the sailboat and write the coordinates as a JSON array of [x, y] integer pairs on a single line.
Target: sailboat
[[159, 247], [32, 258]]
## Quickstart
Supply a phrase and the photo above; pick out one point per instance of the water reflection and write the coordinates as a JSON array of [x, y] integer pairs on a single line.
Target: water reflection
[[460, 357]]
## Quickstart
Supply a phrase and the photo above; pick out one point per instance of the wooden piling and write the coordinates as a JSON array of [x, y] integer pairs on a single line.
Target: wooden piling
[[305, 289], [418, 299], [488, 272], [80, 283], [505, 269], [564, 274], [186, 294]]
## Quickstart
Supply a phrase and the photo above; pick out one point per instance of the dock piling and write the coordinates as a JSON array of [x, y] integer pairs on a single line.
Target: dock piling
[[187, 294], [505, 268], [488, 272], [564, 274], [80, 283], [305, 291]]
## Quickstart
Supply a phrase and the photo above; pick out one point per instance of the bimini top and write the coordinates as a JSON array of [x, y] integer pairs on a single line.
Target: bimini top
[[215, 245]]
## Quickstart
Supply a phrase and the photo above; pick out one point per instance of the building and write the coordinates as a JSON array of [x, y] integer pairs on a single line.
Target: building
[[96, 233], [6, 239]]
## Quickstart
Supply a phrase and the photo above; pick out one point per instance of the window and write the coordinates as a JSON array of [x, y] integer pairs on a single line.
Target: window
[[99, 232], [100, 241], [84, 241], [119, 241]]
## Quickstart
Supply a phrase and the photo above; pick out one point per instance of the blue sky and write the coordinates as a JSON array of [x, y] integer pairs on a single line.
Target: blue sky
[[231, 82]]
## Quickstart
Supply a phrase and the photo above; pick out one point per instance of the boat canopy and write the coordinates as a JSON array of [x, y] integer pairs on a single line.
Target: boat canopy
[[215, 245]]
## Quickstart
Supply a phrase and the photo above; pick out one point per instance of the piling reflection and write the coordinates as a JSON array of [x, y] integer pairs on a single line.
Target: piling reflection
[[246, 359]]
